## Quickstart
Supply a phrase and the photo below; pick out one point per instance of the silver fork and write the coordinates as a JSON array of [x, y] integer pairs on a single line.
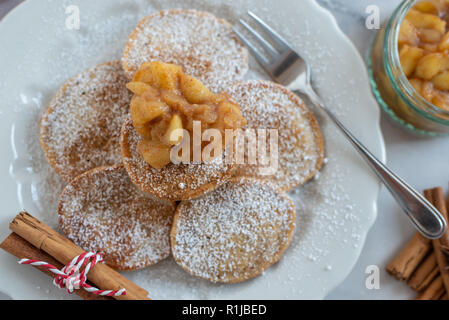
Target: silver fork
[[286, 67]]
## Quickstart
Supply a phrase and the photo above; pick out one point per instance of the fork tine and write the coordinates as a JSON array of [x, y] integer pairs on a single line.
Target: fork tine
[[264, 43], [259, 57], [283, 45]]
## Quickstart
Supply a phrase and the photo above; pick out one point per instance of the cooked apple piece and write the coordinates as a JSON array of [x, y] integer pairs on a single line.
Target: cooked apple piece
[[231, 115], [416, 84], [426, 20], [409, 57], [194, 91], [426, 7], [205, 113], [156, 155], [177, 102], [144, 130], [444, 43], [429, 47], [441, 100], [427, 90], [171, 137], [430, 65], [441, 80], [144, 74], [159, 127], [165, 75], [139, 88], [143, 111], [408, 34], [429, 35]]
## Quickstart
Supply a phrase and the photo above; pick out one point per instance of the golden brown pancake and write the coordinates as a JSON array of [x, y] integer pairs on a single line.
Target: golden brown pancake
[[267, 105], [201, 43], [233, 233], [80, 130], [101, 210]]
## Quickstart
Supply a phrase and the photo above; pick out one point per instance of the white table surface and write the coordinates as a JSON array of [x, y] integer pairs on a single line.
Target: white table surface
[[423, 162]]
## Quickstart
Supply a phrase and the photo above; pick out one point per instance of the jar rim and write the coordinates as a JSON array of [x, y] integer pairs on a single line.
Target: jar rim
[[396, 75]]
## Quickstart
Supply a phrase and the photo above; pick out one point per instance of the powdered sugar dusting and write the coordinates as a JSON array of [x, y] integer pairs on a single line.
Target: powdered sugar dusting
[[81, 128], [326, 211], [205, 46], [234, 232], [102, 211], [266, 105]]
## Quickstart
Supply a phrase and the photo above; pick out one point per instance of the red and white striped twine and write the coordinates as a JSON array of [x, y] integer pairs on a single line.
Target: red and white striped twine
[[71, 276]]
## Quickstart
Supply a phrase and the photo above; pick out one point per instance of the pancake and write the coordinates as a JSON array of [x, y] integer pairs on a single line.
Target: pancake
[[267, 105], [233, 233], [80, 130], [204, 45], [101, 210], [173, 181]]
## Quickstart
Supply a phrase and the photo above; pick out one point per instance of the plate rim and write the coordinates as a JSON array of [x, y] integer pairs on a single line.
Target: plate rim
[[382, 156]]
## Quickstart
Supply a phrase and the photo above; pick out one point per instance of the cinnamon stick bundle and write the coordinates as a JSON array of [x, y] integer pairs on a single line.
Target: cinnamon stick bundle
[[421, 261], [63, 250]]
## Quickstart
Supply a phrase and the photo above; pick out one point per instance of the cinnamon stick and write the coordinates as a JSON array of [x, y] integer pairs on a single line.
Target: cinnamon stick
[[63, 250], [20, 248], [403, 265], [424, 273], [441, 246], [434, 291]]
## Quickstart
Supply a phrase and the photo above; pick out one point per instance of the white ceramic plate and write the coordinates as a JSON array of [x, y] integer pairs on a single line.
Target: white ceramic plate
[[334, 211]]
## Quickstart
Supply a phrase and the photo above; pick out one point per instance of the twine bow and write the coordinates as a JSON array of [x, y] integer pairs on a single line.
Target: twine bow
[[74, 275]]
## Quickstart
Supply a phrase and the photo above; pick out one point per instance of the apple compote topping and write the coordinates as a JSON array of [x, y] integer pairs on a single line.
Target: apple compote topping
[[423, 44], [166, 100]]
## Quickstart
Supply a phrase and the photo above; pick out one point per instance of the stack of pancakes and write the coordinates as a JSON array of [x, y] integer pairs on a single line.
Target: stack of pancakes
[[225, 223]]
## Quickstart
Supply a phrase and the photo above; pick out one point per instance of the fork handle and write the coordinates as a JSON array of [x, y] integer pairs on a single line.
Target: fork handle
[[423, 215]]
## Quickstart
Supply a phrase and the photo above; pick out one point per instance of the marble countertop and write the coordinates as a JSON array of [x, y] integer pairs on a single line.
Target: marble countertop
[[423, 162]]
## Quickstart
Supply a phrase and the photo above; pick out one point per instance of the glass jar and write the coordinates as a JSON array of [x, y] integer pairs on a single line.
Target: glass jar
[[391, 87]]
